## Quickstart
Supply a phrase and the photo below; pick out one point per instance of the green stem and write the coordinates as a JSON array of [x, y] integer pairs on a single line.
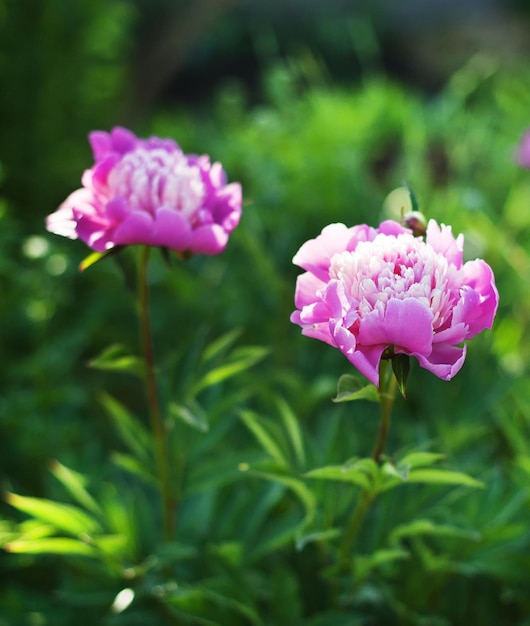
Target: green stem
[[387, 388], [387, 392], [157, 423]]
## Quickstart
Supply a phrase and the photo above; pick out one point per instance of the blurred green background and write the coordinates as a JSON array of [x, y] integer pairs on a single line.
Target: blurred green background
[[319, 110]]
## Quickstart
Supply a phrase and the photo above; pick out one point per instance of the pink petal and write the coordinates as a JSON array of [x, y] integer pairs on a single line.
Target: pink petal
[[479, 298], [315, 255], [406, 324], [442, 241], [210, 239], [171, 230], [444, 361], [307, 287], [136, 228]]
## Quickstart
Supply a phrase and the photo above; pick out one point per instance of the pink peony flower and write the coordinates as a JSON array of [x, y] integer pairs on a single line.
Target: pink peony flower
[[147, 191], [365, 290], [523, 152]]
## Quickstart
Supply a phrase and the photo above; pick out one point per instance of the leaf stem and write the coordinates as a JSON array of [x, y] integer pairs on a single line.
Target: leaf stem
[[157, 423]]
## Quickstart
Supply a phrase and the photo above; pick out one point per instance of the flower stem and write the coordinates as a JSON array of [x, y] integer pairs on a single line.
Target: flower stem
[[157, 423], [387, 392], [387, 388]]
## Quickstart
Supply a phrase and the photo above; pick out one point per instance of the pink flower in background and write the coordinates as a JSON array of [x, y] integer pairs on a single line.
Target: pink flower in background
[[523, 152], [366, 289], [147, 191]]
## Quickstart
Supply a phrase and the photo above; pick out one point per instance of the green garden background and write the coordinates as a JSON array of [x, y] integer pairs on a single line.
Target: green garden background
[[320, 112]]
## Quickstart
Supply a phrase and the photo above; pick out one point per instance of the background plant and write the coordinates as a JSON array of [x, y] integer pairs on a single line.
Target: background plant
[[353, 145]]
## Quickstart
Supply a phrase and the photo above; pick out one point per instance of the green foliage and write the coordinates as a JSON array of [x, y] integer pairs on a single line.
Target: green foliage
[[267, 470]]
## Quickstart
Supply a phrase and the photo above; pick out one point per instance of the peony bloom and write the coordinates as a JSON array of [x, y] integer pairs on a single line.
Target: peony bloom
[[523, 152], [365, 290], [147, 191]]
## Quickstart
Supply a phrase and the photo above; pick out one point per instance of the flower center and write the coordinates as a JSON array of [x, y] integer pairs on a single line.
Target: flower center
[[152, 178], [397, 267]]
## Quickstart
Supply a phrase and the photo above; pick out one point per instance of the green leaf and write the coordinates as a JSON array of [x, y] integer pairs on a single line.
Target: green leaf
[[52, 545], [420, 527], [75, 485], [363, 565], [362, 473], [132, 432], [294, 484], [217, 346], [443, 477], [240, 361], [134, 467], [401, 369], [209, 604], [114, 358], [317, 536], [420, 459], [196, 419], [292, 427], [63, 516], [351, 388], [28, 529], [262, 433], [95, 257]]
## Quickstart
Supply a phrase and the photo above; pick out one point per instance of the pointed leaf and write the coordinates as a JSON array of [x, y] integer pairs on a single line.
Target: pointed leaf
[[114, 358], [420, 459], [217, 346], [263, 435], [317, 536], [195, 419], [351, 388], [133, 433], [52, 545], [75, 484], [294, 484], [401, 369], [95, 257], [443, 477], [420, 527], [341, 473], [65, 517], [292, 426], [134, 467], [241, 361], [365, 564]]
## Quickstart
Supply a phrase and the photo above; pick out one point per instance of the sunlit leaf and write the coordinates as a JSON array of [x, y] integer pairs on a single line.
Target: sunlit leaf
[[96, 257], [115, 358], [240, 361], [351, 388], [52, 545], [420, 459], [65, 517], [75, 484], [443, 477]]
